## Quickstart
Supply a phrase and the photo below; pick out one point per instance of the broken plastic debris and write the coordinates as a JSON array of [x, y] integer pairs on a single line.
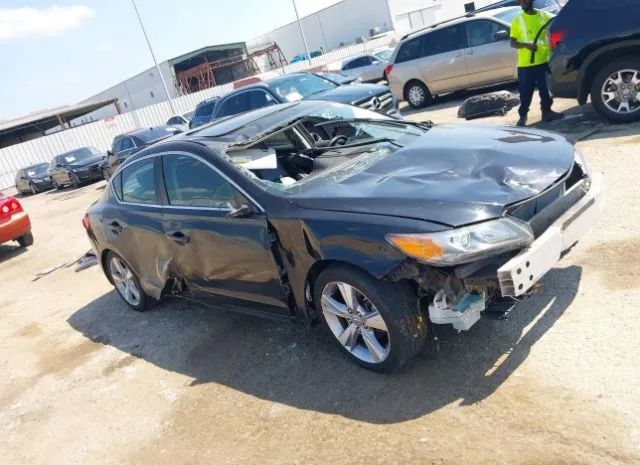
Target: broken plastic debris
[[492, 103]]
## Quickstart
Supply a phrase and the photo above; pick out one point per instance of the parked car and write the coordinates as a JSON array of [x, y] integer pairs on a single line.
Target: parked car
[[369, 67], [33, 179], [180, 121], [15, 224], [77, 167], [303, 56], [331, 213], [294, 87], [465, 53], [132, 142], [598, 57]]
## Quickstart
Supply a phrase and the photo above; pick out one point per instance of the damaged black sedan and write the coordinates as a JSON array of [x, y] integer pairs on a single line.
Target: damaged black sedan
[[333, 214]]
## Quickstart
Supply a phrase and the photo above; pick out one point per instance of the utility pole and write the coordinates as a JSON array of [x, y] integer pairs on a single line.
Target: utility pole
[[164, 84], [304, 39]]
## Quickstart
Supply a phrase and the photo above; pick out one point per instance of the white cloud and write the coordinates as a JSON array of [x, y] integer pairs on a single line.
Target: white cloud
[[44, 22]]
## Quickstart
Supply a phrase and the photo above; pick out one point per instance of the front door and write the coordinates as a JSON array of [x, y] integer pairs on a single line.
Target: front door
[[223, 260], [490, 57]]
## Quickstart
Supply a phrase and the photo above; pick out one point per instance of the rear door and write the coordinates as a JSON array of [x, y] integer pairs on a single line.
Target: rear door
[[133, 226], [224, 260], [443, 64], [490, 57]]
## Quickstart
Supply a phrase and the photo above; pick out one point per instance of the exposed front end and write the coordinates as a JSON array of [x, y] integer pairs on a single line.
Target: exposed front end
[[466, 271]]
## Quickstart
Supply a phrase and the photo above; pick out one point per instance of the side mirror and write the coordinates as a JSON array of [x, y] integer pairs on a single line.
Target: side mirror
[[501, 35], [109, 153], [241, 212]]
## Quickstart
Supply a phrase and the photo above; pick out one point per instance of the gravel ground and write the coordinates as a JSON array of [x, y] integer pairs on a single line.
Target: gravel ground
[[88, 382]]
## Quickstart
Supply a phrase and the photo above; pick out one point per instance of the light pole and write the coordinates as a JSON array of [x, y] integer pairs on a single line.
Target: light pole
[[164, 84], [304, 39]]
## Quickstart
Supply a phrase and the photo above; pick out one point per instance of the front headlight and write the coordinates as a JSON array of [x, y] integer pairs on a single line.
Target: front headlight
[[464, 245], [579, 159]]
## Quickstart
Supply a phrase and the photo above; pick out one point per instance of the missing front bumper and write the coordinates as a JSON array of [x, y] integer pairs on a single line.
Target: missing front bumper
[[521, 273]]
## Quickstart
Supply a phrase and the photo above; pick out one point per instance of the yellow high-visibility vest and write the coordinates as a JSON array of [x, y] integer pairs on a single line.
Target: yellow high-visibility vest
[[524, 29]]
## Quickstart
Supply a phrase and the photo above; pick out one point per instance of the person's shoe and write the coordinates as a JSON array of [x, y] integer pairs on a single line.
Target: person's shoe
[[522, 122], [551, 115]]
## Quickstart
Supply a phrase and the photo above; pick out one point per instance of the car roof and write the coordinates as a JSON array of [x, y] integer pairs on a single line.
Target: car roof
[[459, 20], [137, 132]]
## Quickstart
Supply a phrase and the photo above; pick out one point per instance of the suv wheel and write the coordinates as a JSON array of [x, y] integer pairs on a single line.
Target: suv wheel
[[615, 91], [376, 323], [417, 94]]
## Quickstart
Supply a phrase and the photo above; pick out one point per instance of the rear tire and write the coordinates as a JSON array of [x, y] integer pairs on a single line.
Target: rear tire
[[127, 284], [417, 95], [604, 87], [26, 240], [382, 329]]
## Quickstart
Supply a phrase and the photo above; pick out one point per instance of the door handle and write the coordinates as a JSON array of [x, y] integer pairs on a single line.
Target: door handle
[[115, 227], [178, 236]]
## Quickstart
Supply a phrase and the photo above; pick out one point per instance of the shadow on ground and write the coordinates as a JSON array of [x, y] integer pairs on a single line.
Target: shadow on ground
[[304, 368], [9, 251]]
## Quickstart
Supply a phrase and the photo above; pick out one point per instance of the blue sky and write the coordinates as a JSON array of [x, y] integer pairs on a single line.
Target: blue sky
[[59, 52]]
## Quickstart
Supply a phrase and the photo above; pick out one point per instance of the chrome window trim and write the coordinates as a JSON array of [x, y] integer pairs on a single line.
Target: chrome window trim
[[197, 157]]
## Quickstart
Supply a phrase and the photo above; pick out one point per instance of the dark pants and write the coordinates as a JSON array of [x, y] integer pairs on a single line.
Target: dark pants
[[528, 79]]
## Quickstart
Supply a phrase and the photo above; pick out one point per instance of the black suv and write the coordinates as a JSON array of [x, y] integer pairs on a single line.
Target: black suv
[[597, 52], [293, 87]]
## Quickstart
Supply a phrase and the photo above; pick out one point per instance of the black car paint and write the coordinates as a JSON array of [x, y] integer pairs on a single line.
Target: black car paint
[[352, 94], [41, 182], [595, 33], [263, 263], [62, 174]]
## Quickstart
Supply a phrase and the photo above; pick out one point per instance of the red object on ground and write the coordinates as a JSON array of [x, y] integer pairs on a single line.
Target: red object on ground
[[14, 221], [246, 82]]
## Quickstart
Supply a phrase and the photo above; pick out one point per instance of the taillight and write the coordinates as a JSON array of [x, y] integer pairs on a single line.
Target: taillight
[[10, 206], [555, 38], [85, 221], [388, 70]]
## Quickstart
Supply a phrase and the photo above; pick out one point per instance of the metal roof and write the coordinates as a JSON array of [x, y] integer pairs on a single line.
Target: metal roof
[[47, 119], [210, 48]]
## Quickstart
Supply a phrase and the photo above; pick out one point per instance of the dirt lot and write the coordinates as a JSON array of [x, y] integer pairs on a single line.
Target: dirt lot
[[85, 381]]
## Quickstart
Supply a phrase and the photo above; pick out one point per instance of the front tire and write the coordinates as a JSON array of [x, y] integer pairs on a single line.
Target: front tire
[[377, 324], [615, 91], [417, 95], [127, 284], [33, 188], [75, 181]]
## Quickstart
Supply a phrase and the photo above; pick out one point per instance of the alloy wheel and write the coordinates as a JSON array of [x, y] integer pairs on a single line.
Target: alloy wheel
[[416, 95], [355, 322], [124, 281], [33, 189], [621, 91]]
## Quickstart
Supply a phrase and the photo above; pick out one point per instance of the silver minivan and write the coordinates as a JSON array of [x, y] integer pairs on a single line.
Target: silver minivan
[[469, 52]]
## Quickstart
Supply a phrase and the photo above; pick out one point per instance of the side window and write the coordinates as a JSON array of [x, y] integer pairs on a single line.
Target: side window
[[117, 146], [410, 50], [235, 104], [260, 98], [126, 143], [204, 110], [482, 32], [138, 182], [444, 40], [347, 66], [173, 120], [116, 185], [191, 183]]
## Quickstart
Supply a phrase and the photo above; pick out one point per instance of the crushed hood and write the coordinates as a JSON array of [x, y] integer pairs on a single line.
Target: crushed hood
[[454, 175], [351, 93]]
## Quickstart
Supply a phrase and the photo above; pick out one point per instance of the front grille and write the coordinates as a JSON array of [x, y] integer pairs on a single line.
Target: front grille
[[382, 103]]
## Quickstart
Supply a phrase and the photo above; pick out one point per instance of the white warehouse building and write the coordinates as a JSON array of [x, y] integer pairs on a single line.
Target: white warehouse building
[[350, 21]]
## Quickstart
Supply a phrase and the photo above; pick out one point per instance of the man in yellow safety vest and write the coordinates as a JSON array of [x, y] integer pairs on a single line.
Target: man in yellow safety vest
[[529, 35]]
